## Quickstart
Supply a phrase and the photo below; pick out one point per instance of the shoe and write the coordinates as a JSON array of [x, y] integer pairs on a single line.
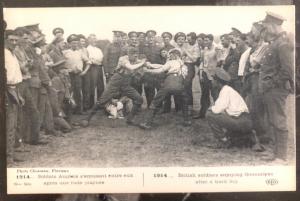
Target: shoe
[[131, 123], [145, 126], [186, 123], [198, 116], [39, 143]]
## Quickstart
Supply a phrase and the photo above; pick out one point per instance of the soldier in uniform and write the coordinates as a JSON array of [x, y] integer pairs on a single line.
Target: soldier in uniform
[[152, 53], [13, 99], [142, 41], [112, 54], [276, 82], [35, 78], [120, 85], [173, 84]]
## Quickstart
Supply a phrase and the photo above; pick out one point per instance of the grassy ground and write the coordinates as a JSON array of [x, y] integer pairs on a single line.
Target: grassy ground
[[111, 143]]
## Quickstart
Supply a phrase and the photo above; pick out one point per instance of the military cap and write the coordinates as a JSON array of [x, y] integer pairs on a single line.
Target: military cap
[[150, 33], [72, 37], [132, 50], [58, 30], [141, 33], [221, 74], [21, 31], [175, 51], [273, 18], [132, 34], [33, 27], [123, 33], [117, 33], [179, 34], [235, 31], [167, 34]]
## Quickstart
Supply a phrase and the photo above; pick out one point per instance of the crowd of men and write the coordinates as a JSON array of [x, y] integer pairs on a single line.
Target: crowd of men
[[248, 77]]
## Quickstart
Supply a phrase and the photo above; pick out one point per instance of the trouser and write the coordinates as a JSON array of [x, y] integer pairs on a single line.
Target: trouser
[[46, 114], [118, 86], [137, 85], [177, 102], [11, 128], [87, 88], [206, 89], [97, 81], [30, 117], [275, 100], [222, 124], [150, 85], [173, 85], [188, 82], [255, 104], [76, 87]]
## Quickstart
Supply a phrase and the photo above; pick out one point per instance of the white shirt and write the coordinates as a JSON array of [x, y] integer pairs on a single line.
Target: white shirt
[[243, 61], [95, 55], [13, 70], [229, 101], [74, 60]]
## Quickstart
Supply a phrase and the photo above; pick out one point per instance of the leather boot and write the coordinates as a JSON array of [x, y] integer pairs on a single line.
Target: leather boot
[[131, 115], [149, 121], [187, 115]]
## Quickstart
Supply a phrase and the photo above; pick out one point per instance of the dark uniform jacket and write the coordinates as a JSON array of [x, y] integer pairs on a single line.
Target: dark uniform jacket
[[111, 57], [276, 65]]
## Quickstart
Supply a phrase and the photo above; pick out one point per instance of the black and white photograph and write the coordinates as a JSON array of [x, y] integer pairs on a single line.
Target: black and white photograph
[[169, 86]]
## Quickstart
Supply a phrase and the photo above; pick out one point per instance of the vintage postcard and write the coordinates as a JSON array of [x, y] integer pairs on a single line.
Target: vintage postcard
[[150, 99]]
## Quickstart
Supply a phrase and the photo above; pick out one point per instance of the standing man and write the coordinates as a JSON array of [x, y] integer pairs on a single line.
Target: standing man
[[120, 85], [74, 63], [276, 81], [190, 56], [152, 53], [142, 41], [112, 54], [173, 84], [96, 70], [13, 99], [206, 71]]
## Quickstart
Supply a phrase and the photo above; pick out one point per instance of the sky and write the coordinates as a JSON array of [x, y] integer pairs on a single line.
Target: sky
[[103, 20]]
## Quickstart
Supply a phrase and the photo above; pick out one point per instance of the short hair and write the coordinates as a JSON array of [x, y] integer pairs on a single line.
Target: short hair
[[80, 36], [20, 31], [210, 37], [9, 32], [225, 36], [192, 35], [243, 36], [201, 35]]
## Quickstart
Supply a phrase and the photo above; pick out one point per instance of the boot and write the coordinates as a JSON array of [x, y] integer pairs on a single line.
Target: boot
[[149, 122], [131, 115], [187, 115]]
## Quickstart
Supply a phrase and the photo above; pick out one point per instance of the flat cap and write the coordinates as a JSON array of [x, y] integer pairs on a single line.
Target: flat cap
[[221, 74], [72, 37], [273, 18], [179, 34], [151, 33], [57, 30]]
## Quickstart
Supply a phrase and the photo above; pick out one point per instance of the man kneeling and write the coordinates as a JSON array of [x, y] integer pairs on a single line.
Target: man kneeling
[[229, 117]]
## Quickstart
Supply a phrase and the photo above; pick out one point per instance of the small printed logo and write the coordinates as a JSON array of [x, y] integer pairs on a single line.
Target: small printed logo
[[272, 182]]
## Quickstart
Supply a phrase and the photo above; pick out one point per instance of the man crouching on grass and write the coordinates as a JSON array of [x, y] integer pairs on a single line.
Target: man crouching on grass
[[119, 85], [229, 117]]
